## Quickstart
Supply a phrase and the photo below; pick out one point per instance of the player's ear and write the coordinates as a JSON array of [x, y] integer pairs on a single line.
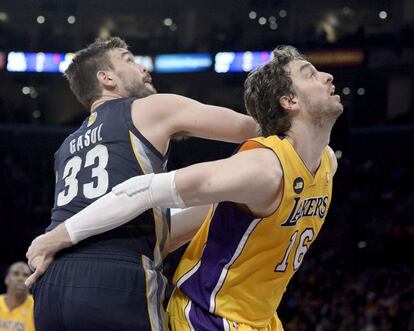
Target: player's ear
[[289, 103], [106, 78]]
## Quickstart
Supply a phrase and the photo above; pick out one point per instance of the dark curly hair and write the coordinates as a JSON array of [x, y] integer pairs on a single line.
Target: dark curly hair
[[265, 86], [81, 73]]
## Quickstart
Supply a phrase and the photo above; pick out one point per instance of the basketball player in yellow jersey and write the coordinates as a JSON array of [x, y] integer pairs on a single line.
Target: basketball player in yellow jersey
[[273, 196], [16, 306]]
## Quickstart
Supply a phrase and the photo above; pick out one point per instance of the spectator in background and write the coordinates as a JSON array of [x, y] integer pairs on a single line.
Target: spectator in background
[[16, 305]]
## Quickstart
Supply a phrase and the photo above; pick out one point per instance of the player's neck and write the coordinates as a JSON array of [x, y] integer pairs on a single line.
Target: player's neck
[[309, 143], [14, 300], [104, 98]]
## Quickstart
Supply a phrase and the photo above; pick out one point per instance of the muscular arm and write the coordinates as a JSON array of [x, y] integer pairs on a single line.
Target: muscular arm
[[251, 177], [161, 116]]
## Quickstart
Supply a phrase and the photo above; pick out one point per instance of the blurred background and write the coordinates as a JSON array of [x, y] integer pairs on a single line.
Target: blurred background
[[359, 274]]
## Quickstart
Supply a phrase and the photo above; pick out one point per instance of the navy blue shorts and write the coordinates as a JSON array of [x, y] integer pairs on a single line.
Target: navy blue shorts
[[88, 293]]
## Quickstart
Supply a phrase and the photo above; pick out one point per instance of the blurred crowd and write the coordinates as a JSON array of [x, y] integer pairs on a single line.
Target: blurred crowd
[[330, 295]]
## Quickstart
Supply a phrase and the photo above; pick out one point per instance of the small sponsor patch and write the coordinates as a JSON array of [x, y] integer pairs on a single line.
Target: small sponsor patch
[[92, 119], [298, 185]]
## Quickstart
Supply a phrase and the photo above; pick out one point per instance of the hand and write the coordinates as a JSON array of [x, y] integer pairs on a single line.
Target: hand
[[43, 249], [39, 258]]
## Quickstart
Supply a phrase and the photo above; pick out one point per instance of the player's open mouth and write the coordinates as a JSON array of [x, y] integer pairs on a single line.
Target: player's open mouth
[[332, 93]]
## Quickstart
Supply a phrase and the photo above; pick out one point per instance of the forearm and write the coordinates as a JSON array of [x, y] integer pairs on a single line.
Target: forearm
[[106, 213], [232, 126], [128, 200], [125, 202], [58, 239], [215, 122], [238, 127]]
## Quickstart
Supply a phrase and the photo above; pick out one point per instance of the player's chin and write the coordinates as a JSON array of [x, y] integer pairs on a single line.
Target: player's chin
[[145, 92], [338, 109], [151, 89], [148, 89]]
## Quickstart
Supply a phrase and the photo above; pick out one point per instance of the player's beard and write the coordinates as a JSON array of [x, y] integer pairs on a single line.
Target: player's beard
[[139, 89], [323, 113]]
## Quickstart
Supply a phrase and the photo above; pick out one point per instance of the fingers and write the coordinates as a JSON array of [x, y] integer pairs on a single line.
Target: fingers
[[32, 278], [34, 261], [39, 265], [39, 271]]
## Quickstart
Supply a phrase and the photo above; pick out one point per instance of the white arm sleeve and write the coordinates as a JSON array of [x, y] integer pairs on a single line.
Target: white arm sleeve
[[125, 202]]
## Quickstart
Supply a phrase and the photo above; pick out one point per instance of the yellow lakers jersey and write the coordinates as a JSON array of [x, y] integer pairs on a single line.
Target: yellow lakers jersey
[[19, 319], [238, 266]]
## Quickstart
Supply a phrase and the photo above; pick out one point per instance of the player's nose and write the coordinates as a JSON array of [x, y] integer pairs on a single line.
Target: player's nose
[[143, 69]]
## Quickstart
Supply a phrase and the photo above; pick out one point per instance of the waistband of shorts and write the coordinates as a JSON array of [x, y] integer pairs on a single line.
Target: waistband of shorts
[[102, 256]]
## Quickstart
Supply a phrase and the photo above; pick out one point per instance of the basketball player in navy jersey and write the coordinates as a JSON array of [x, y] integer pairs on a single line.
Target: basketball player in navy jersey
[[114, 281], [273, 196]]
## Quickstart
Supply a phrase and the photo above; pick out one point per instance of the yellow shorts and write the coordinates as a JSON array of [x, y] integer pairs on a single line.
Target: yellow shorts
[[184, 315]]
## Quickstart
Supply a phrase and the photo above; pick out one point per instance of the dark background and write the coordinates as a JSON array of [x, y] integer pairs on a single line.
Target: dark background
[[359, 274]]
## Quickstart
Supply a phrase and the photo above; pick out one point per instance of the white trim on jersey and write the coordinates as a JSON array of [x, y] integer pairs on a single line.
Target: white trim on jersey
[[187, 315], [225, 270], [157, 317], [188, 274], [226, 325]]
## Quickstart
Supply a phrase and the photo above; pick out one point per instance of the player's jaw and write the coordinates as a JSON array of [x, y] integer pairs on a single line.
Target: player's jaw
[[138, 86], [327, 101]]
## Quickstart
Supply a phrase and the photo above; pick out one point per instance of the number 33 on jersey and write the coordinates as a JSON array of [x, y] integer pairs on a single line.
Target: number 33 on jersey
[[105, 151]]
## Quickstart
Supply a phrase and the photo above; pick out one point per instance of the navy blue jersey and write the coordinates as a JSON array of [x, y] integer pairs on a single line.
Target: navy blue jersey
[[105, 151]]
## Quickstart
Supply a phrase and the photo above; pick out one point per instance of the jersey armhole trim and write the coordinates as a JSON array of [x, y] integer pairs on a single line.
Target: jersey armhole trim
[[136, 132]]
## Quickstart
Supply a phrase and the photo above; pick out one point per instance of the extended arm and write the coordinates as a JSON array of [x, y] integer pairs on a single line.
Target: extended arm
[[162, 116], [251, 177]]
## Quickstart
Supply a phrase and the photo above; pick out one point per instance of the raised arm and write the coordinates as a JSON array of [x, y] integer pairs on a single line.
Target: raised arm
[[162, 116]]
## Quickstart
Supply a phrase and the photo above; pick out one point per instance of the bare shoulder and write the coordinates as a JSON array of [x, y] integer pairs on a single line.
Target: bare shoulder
[[334, 160]]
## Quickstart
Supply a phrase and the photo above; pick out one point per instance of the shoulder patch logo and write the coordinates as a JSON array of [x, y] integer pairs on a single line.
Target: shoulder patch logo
[[92, 119], [298, 185]]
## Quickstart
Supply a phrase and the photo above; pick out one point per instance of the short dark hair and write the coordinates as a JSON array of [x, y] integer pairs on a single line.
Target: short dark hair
[[265, 86], [19, 263], [81, 73]]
